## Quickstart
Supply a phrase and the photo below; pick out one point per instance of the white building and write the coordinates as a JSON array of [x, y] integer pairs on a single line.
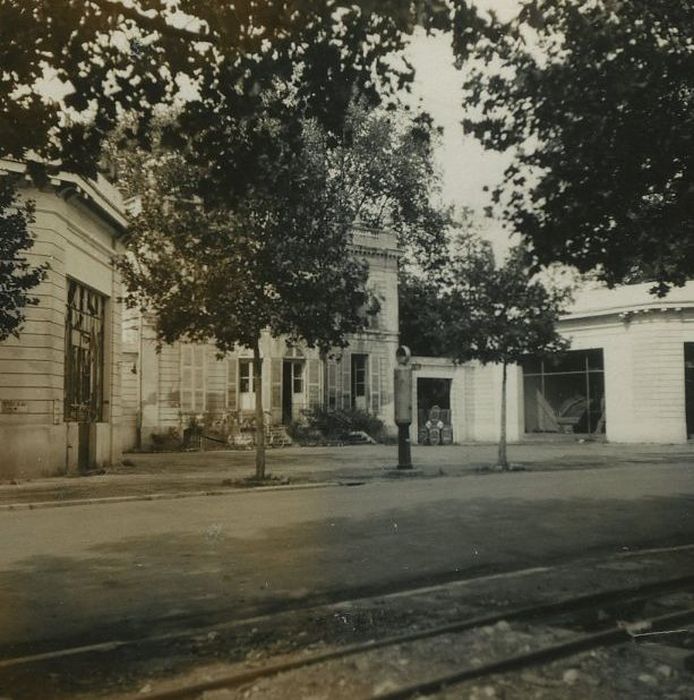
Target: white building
[[60, 380], [629, 376]]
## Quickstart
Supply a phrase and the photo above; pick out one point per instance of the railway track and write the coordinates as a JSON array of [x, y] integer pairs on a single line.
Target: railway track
[[562, 613], [627, 613]]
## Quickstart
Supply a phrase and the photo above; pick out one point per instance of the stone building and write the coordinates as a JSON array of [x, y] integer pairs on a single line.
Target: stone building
[[60, 385], [166, 389]]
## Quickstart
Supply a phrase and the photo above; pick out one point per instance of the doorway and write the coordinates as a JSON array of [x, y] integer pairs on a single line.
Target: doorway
[[84, 366], [434, 420], [292, 390], [359, 381], [689, 387]]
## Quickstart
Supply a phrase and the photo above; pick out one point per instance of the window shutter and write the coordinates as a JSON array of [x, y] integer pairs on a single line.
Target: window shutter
[[313, 383], [215, 381], [199, 378], [232, 383], [186, 378], [386, 372], [276, 390], [346, 381], [375, 385]]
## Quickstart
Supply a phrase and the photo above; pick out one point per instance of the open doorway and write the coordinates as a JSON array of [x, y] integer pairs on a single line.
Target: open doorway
[[434, 420], [689, 387], [292, 390], [84, 366], [360, 365]]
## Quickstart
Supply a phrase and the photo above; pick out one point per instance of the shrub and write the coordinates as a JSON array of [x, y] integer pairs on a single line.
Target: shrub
[[335, 425]]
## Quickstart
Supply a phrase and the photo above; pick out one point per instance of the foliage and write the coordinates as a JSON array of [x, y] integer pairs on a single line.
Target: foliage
[[246, 224], [499, 314], [17, 276], [422, 315], [335, 425], [596, 99], [218, 62], [279, 258]]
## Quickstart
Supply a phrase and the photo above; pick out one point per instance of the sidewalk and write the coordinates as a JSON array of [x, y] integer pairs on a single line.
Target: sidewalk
[[173, 474]]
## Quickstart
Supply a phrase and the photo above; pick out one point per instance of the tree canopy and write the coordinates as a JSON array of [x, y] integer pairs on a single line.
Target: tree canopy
[[73, 68], [596, 99], [499, 313], [474, 309], [281, 258], [17, 276]]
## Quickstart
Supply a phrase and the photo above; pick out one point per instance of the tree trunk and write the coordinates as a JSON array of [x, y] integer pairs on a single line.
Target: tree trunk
[[503, 458], [259, 414]]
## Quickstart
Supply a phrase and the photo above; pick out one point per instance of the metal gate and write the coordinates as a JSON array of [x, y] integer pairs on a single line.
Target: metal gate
[[84, 363]]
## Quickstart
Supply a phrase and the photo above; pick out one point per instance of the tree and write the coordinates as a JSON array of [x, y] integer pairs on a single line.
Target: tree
[[279, 258], [422, 314], [241, 78], [596, 100], [17, 276], [498, 314], [217, 61]]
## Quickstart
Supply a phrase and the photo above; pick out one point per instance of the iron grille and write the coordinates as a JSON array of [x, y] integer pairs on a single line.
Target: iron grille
[[84, 354]]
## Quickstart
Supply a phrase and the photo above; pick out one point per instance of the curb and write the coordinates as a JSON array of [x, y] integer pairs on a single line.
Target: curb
[[170, 496]]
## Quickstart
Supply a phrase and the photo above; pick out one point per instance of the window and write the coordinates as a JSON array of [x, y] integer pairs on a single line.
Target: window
[[246, 379], [298, 377], [565, 394], [359, 381], [84, 354], [689, 387]]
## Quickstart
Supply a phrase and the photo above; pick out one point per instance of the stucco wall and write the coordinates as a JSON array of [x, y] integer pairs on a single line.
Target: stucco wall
[[36, 440]]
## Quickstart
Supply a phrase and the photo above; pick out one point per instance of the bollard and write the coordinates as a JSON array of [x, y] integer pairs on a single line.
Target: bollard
[[403, 405]]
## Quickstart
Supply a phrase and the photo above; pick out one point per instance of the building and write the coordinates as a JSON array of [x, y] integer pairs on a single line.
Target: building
[[628, 377], [167, 389], [60, 380]]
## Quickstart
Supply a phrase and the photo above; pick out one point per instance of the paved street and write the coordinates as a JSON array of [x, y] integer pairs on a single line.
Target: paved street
[[87, 573], [145, 474]]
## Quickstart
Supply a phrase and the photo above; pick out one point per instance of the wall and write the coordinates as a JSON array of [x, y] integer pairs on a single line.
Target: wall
[[77, 242], [475, 398]]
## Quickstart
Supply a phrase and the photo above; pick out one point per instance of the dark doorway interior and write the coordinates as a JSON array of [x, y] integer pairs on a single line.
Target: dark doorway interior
[[286, 392], [359, 381], [434, 410], [689, 386], [84, 365]]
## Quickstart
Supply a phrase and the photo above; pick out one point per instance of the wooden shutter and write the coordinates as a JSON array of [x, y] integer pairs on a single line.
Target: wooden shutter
[[232, 384], [186, 378], [346, 363], [215, 381], [199, 378], [276, 390], [375, 385], [313, 383], [386, 377]]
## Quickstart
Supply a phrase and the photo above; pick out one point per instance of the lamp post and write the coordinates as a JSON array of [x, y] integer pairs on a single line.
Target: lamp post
[[403, 405]]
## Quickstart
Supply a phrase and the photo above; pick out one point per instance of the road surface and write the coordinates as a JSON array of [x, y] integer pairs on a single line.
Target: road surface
[[82, 574]]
